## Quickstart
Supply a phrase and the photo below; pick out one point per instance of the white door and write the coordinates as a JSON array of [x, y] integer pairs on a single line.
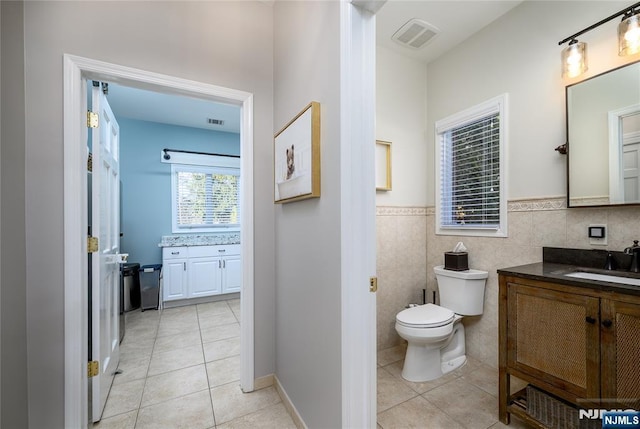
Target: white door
[[105, 224], [631, 166]]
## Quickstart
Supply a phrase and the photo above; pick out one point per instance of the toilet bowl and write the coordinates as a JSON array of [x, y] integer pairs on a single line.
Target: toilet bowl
[[435, 333]]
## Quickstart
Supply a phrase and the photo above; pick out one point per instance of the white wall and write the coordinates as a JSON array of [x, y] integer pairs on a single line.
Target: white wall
[[13, 344], [222, 43], [401, 118], [308, 287], [519, 54]]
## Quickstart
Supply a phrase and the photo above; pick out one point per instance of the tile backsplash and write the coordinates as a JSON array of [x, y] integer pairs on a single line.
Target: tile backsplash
[[408, 249]]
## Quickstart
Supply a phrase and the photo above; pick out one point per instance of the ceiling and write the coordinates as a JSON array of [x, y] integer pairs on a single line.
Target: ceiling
[[151, 106], [456, 21]]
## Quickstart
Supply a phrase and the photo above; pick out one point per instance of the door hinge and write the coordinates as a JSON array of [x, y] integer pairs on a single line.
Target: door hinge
[[92, 244], [93, 368], [92, 119], [373, 284]]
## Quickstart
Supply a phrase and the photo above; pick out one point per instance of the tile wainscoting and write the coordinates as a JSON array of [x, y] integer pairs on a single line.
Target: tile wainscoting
[[408, 249], [401, 265]]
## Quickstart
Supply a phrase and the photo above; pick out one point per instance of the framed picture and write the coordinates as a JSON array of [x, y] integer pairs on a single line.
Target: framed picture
[[383, 165], [297, 157]]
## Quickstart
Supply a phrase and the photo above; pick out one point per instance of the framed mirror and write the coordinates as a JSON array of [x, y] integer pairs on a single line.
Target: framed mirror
[[603, 139]]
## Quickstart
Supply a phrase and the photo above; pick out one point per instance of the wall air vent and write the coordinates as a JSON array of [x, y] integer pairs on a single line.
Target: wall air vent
[[212, 121], [415, 34]]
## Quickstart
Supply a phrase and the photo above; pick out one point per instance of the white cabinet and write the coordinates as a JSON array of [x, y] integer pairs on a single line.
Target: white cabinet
[[204, 276], [174, 273], [196, 271], [231, 274]]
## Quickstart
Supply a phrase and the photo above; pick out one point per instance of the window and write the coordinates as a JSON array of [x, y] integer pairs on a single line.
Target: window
[[470, 171], [205, 198]]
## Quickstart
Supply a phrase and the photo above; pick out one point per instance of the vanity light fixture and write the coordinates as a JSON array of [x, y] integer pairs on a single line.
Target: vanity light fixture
[[629, 33], [574, 56], [574, 59]]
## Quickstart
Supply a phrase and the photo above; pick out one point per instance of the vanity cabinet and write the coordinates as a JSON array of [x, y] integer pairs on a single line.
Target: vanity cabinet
[[197, 271], [579, 344], [620, 344]]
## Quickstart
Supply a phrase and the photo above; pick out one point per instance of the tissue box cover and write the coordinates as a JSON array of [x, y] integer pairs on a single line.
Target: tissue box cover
[[456, 261]]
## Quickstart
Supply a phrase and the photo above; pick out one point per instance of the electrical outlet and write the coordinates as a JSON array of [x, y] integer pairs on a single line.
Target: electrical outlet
[[598, 234]]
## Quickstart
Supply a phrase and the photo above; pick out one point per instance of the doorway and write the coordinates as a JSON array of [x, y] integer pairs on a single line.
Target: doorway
[[77, 71]]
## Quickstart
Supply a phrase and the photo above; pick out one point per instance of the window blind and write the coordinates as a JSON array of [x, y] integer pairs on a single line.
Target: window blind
[[206, 197], [470, 168]]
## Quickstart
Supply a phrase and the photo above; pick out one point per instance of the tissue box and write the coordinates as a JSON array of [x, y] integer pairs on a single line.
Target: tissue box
[[456, 261]]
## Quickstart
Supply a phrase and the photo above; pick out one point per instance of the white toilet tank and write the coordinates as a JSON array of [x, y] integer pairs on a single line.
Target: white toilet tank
[[461, 291]]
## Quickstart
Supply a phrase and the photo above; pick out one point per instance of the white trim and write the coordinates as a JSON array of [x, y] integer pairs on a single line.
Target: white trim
[[76, 70], [75, 249], [247, 343], [500, 105], [358, 205], [616, 172]]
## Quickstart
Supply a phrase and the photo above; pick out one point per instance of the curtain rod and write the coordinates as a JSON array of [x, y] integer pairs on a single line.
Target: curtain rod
[[599, 23], [167, 156]]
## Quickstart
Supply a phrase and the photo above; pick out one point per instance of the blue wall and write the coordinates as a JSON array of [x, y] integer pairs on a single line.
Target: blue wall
[[146, 182]]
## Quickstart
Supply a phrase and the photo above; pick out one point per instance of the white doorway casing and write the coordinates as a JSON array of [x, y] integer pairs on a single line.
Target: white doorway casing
[[358, 208], [76, 71]]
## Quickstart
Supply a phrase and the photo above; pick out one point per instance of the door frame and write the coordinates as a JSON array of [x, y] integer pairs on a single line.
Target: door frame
[[358, 208], [76, 71], [616, 140]]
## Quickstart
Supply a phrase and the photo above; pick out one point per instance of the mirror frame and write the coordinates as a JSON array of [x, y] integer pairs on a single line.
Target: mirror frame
[[568, 145]]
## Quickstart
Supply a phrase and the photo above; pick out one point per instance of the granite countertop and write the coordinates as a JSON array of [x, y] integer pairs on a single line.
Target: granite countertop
[[552, 271], [200, 239], [557, 262]]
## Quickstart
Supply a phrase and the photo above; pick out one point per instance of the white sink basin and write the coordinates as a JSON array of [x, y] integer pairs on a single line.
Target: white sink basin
[[604, 278]]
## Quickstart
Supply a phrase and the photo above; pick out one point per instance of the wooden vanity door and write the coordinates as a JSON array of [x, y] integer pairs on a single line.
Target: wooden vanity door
[[620, 340], [554, 337]]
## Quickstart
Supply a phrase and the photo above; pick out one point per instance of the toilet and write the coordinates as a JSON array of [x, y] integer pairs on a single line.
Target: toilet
[[435, 333]]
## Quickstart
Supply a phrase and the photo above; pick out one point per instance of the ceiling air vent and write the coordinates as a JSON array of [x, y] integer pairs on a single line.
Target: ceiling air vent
[[212, 121], [415, 33]]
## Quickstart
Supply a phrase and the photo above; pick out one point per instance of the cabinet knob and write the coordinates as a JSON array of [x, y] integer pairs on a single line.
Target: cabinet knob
[[175, 253], [590, 319], [607, 323]]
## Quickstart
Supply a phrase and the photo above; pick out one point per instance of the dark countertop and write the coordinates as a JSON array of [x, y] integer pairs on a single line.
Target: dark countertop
[[552, 271]]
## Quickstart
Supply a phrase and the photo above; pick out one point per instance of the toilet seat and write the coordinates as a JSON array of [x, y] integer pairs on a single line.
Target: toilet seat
[[425, 316]]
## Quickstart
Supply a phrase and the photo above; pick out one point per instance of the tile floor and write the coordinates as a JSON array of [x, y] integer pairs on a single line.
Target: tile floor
[[181, 369], [463, 399]]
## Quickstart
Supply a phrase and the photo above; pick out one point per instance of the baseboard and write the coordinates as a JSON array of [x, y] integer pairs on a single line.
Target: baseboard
[[297, 419], [263, 382], [200, 300]]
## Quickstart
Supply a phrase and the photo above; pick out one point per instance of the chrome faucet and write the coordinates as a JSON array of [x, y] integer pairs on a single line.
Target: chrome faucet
[[635, 252]]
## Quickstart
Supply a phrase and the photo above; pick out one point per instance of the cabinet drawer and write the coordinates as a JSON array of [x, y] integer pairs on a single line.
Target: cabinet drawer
[[207, 251], [174, 252], [229, 249]]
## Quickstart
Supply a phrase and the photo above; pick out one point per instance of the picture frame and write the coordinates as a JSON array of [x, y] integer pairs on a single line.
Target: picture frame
[[296, 156], [383, 165]]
